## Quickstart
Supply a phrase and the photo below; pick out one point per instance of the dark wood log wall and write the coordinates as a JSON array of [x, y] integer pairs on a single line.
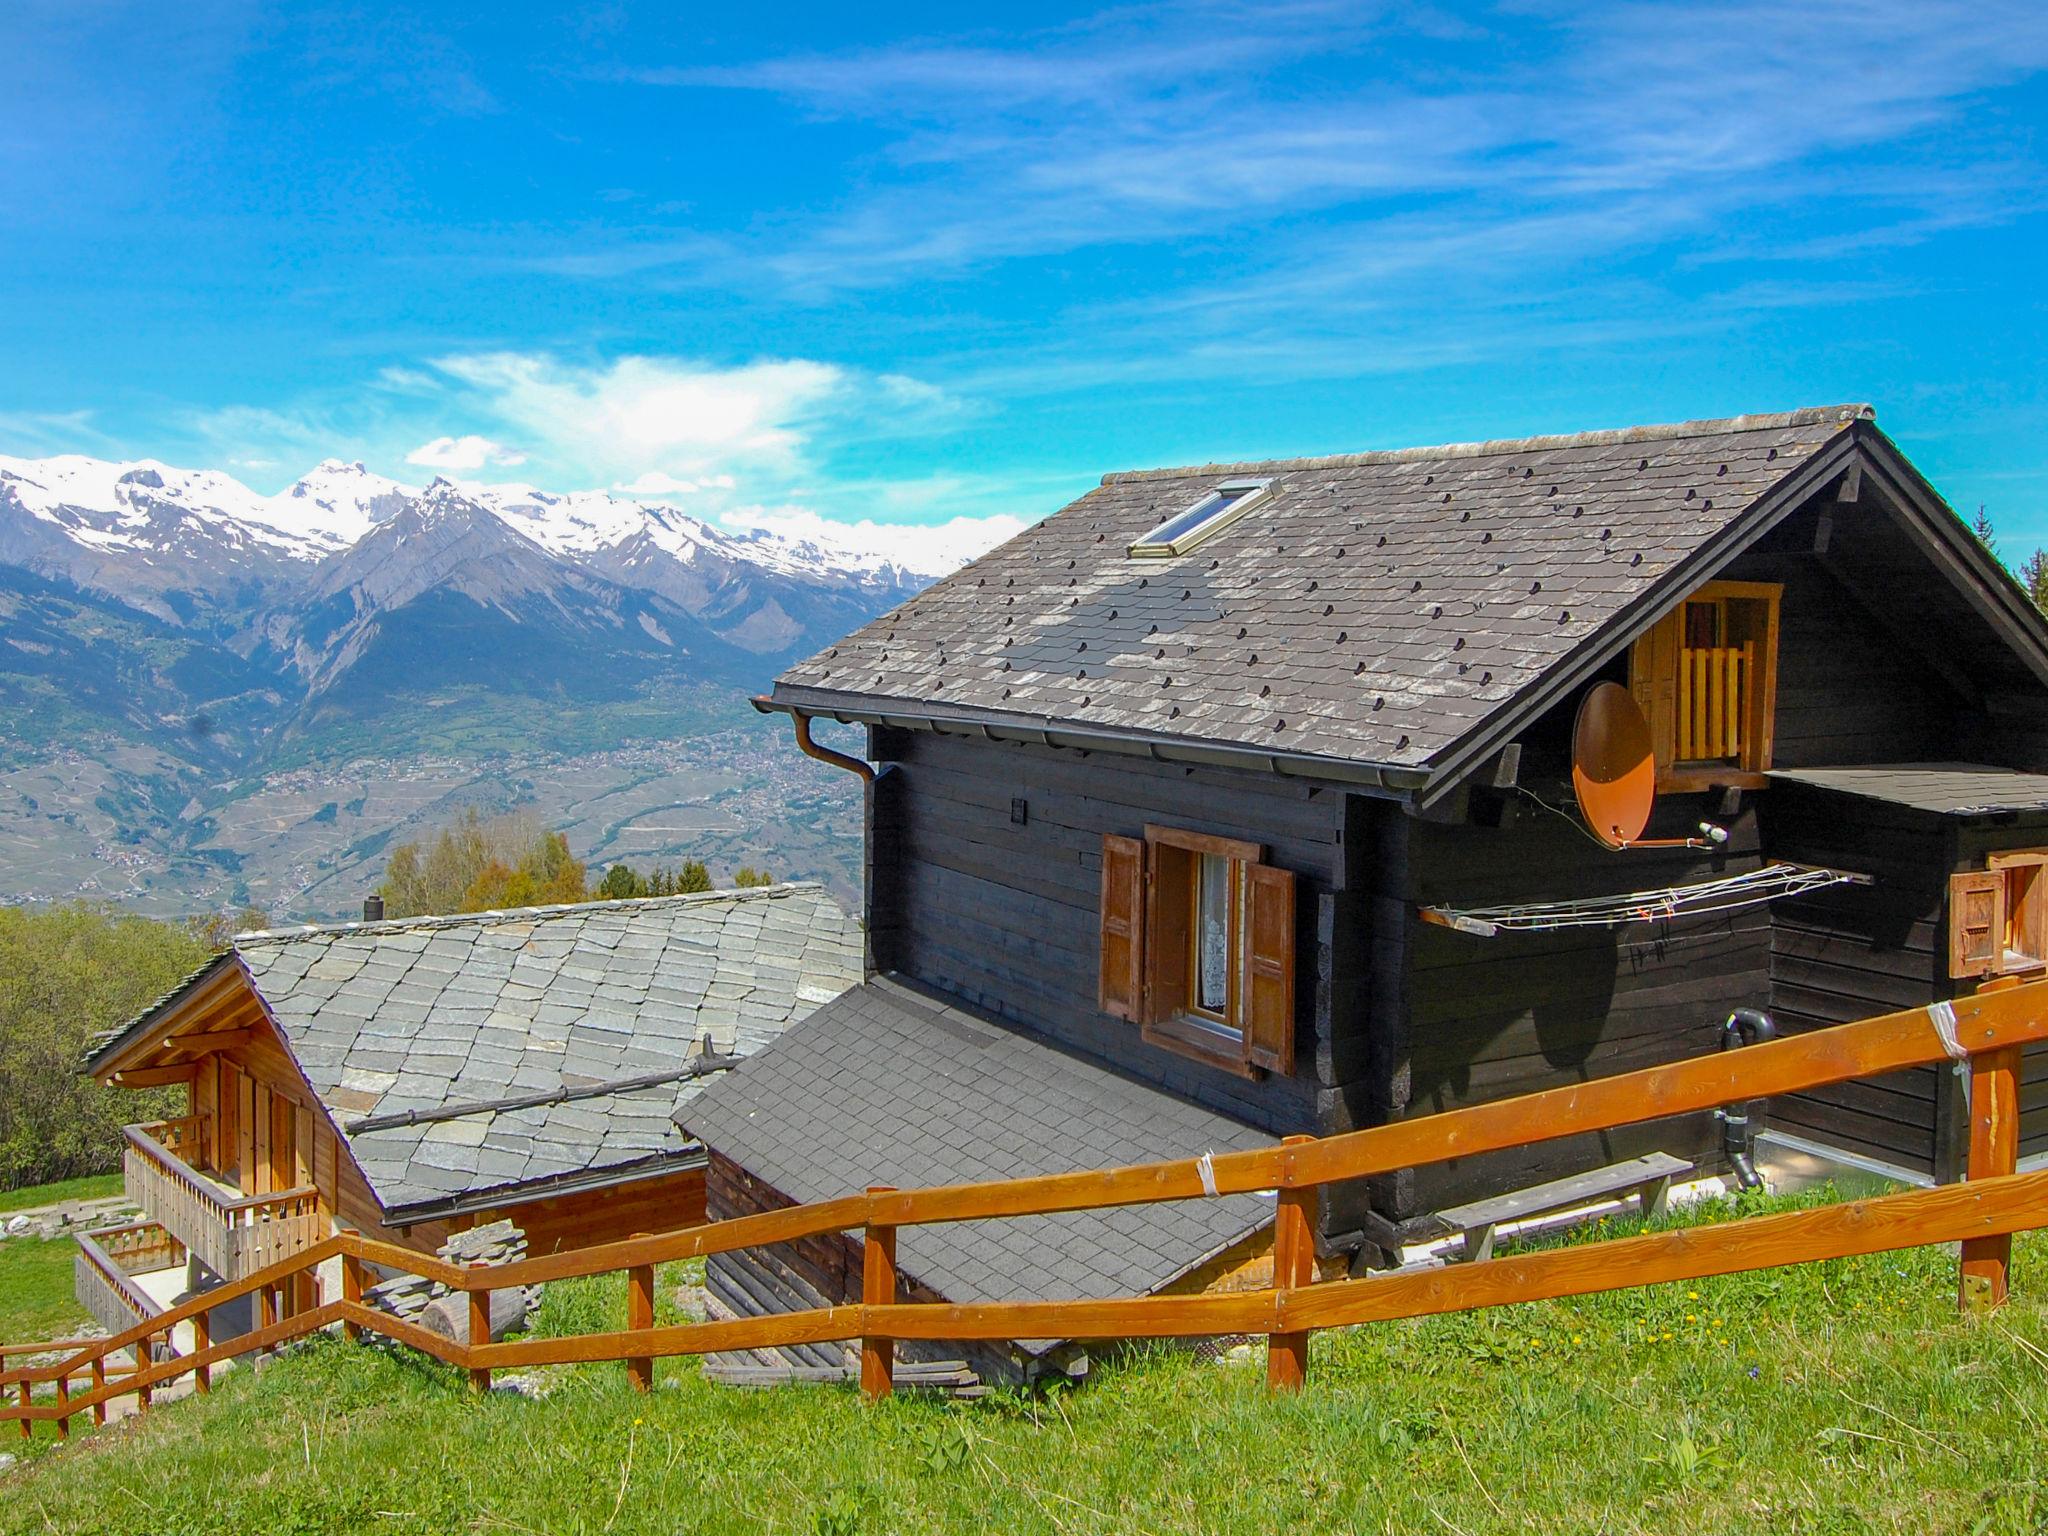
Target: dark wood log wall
[[1006, 914], [1853, 951], [1489, 1018]]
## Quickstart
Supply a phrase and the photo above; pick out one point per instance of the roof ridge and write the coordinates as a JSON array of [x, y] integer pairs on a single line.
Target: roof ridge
[[525, 914], [1807, 416]]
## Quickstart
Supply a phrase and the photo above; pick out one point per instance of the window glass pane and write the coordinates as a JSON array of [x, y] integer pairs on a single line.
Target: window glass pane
[[1210, 506], [1212, 958]]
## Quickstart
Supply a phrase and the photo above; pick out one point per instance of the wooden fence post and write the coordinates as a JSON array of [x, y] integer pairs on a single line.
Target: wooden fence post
[[479, 1335], [1294, 1264], [877, 1289], [145, 1351], [352, 1291], [26, 1431], [1994, 1152], [99, 1379], [639, 1318], [202, 1340], [63, 1401]]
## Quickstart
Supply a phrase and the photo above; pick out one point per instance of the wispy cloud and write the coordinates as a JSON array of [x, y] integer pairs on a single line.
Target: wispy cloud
[[466, 453], [1553, 147]]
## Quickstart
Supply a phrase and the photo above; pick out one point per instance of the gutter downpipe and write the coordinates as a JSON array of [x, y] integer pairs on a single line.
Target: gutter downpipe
[[1745, 1026], [810, 748]]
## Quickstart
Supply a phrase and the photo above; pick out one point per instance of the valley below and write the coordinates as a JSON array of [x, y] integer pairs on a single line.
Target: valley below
[[123, 822]]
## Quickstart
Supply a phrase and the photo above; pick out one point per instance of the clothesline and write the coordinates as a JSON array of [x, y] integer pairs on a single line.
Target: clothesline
[[1730, 893]]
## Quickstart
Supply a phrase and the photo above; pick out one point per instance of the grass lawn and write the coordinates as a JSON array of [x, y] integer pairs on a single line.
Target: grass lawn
[[35, 1290], [96, 1186], [1844, 1397]]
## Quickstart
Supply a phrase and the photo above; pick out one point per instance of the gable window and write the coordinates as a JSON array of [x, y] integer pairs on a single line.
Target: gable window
[[1998, 916], [1212, 514], [1198, 947], [1706, 676]]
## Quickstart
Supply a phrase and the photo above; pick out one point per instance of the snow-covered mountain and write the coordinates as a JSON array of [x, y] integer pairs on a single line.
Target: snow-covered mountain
[[182, 609], [196, 548]]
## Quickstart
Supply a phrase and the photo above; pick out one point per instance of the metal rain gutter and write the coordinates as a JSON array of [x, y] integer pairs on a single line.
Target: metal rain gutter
[[1391, 781]]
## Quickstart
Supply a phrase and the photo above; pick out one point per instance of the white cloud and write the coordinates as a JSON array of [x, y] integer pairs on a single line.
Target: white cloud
[[650, 415], [656, 483], [469, 452], [933, 549]]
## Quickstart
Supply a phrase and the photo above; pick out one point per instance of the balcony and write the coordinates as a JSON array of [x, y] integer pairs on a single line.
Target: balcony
[[103, 1273], [232, 1234]]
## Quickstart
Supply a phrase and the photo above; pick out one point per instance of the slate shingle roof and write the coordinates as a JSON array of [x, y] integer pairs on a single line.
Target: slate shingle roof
[[886, 1085], [1945, 789], [439, 1013], [1376, 609]]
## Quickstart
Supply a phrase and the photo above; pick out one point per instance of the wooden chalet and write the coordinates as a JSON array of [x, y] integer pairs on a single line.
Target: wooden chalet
[[1246, 789], [409, 1079]]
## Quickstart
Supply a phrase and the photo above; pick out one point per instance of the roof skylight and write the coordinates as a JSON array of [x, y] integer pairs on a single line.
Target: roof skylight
[[1214, 512]]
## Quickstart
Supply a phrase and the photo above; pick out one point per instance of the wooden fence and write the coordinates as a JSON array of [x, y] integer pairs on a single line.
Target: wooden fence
[[1984, 1034]]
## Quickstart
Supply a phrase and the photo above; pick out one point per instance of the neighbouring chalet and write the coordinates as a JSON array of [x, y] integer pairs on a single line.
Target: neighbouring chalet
[[411, 1078], [1236, 801]]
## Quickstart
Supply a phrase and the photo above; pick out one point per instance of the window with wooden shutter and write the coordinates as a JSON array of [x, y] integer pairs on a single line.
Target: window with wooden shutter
[[1706, 677], [1122, 984], [1268, 986], [1998, 916], [1207, 966]]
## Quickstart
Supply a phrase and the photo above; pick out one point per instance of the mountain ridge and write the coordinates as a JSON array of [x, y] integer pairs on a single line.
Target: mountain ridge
[[177, 650]]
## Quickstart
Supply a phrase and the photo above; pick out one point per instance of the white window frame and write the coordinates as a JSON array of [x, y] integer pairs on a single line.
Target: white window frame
[[1151, 546]]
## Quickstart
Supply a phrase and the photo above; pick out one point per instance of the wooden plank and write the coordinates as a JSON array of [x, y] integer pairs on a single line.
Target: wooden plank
[[1294, 1264], [1579, 1189], [640, 1318], [1994, 1153], [1913, 1219], [878, 1287]]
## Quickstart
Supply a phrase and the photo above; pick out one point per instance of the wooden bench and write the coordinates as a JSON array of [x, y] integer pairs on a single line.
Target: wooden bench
[[1647, 1178]]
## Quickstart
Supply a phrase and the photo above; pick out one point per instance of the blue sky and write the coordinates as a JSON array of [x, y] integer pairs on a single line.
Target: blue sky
[[849, 262]]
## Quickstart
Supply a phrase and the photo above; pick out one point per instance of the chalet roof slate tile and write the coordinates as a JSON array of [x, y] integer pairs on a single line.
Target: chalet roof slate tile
[[1944, 789], [878, 1086], [436, 1013], [1359, 571]]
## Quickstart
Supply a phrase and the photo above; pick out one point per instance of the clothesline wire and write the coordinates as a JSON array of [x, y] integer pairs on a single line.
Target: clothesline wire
[[1730, 893]]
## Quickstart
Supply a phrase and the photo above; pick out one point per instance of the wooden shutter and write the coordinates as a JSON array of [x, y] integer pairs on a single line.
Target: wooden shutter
[[1976, 922], [1121, 989], [1653, 679], [1169, 929], [1267, 989]]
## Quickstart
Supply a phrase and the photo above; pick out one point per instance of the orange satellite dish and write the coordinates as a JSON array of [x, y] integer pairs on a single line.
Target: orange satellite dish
[[1614, 765]]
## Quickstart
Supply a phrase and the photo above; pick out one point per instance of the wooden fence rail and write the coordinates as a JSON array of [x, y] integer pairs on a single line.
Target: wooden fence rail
[[1985, 1031]]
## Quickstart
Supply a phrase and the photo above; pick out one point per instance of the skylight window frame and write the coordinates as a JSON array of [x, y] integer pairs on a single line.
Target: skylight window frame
[[1150, 547]]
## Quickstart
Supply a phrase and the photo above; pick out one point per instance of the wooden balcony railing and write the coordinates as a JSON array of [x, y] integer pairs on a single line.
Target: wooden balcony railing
[[232, 1235], [106, 1261], [1986, 1032]]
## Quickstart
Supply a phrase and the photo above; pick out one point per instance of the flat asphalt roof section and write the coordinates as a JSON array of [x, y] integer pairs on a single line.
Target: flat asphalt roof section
[[1374, 609], [888, 1085], [1944, 789]]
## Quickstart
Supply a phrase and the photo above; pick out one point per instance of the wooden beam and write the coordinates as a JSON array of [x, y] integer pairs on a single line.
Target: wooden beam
[[192, 1047], [154, 1077]]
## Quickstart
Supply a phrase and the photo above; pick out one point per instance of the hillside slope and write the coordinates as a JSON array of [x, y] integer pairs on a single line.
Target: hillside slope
[[1835, 1399]]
